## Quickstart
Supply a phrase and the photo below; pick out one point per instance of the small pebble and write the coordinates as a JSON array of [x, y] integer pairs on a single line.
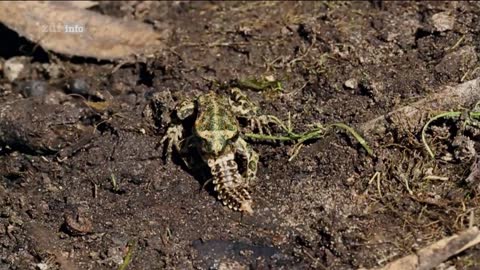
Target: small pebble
[[13, 67], [270, 78], [115, 255], [34, 88], [443, 21], [54, 71], [351, 84], [78, 86], [42, 266]]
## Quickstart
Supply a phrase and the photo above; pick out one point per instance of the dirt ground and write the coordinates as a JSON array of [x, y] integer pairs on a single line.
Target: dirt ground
[[84, 184]]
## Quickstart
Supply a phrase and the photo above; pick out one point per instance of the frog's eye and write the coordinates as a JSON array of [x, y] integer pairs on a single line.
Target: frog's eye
[[235, 137], [205, 145], [185, 109]]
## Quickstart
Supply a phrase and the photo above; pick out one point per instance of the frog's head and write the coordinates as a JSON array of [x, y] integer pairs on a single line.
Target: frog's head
[[215, 139], [215, 125]]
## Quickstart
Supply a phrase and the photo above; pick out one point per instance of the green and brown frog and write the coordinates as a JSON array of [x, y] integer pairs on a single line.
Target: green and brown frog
[[217, 136]]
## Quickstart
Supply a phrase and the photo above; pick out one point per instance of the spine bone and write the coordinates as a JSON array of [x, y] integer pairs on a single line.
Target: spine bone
[[229, 184]]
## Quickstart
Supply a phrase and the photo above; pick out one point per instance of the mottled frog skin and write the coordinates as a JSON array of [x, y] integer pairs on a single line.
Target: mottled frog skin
[[216, 135]]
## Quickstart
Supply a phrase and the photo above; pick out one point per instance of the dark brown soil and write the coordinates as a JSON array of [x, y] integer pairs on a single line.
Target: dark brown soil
[[60, 153]]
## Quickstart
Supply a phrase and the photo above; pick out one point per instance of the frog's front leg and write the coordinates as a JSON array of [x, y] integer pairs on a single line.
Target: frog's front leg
[[192, 161], [173, 135], [243, 107], [173, 138], [242, 148]]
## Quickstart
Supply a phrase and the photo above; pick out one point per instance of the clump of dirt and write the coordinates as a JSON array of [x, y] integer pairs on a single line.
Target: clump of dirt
[[83, 176]]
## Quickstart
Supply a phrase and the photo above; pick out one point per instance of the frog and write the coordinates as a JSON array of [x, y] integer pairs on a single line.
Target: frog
[[217, 137]]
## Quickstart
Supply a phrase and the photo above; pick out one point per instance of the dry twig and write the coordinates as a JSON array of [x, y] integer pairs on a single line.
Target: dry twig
[[438, 252]]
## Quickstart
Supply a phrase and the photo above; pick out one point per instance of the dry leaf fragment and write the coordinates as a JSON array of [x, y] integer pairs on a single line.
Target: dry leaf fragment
[[68, 29], [436, 253], [101, 106], [79, 4]]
